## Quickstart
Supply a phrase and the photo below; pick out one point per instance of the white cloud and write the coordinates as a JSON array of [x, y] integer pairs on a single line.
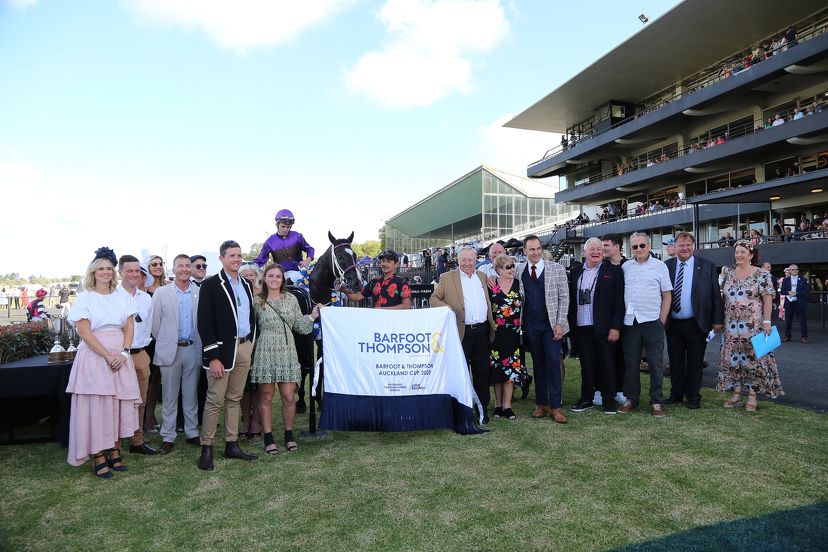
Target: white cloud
[[19, 4], [512, 149], [429, 53], [241, 25]]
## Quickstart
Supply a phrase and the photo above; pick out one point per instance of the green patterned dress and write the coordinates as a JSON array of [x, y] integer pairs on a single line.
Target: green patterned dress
[[275, 359]]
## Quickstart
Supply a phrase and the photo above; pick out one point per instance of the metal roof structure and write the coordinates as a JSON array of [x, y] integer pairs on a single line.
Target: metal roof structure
[[692, 36]]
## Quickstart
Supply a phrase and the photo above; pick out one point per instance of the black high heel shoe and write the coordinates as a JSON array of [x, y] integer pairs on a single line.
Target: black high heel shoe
[[524, 389], [99, 467], [115, 462]]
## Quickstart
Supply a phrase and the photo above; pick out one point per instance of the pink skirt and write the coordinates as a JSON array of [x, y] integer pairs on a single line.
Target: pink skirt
[[104, 403]]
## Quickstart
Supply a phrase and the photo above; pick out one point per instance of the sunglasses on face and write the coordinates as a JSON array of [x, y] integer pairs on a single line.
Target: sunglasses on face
[[638, 246], [157, 263], [200, 266], [508, 266]]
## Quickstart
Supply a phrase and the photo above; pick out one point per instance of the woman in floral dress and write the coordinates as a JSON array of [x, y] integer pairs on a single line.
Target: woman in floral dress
[[507, 370], [275, 360], [748, 298]]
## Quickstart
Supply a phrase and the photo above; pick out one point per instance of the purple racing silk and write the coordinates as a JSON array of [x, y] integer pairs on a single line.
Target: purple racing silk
[[286, 251]]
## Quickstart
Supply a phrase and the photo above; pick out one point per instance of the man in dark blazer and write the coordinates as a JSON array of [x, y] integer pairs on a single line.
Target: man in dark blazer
[[795, 290], [596, 315], [695, 309], [227, 327]]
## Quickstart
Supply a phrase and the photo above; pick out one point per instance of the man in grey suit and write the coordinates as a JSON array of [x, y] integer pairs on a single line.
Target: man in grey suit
[[696, 307], [177, 352]]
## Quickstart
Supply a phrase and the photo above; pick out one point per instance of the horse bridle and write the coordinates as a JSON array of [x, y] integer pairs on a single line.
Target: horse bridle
[[338, 271]]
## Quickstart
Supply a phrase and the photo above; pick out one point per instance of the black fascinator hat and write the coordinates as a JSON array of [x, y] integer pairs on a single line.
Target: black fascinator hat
[[106, 253]]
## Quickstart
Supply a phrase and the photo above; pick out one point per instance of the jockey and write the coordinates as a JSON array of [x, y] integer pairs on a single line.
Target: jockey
[[285, 246]]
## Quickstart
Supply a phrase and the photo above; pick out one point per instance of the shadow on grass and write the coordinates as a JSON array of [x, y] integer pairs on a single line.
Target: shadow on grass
[[804, 528]]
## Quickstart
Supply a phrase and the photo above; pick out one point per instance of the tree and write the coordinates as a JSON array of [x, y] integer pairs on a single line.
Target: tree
[[254, 251], [372, 248]]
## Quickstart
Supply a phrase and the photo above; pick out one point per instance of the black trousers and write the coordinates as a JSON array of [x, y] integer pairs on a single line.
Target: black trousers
[[597, 357], [686, 344], [476, 349], [795, 308]]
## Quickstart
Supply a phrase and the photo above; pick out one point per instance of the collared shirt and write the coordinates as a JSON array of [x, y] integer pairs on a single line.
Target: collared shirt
[[196, 283], [686, 310], [143, 329], [488, 269], [643, 285], [474, 298], [792, 296], [186, 326], [242, 306], [588, 281], [538, 268]]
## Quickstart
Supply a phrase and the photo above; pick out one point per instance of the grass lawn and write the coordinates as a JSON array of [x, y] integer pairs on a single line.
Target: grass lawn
[[696, 480]]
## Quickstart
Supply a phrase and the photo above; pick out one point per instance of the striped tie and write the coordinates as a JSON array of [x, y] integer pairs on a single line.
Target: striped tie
[[677, 288]]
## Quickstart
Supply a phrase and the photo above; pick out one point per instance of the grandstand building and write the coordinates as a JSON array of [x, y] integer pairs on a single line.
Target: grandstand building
[[482, 205], [678, 129]]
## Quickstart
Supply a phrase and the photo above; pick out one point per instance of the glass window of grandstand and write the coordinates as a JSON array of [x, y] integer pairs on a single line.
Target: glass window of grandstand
[[782, 168], [785, 110], [654, 156], [741, 177], [722, 133], [720, 230]]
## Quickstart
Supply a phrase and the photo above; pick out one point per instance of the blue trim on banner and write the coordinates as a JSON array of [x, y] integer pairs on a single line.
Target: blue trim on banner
[[407, 413]]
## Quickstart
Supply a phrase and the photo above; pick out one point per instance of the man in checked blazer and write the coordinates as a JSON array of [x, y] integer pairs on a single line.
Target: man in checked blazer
[[546, 304], [227, 326], [696, 308]]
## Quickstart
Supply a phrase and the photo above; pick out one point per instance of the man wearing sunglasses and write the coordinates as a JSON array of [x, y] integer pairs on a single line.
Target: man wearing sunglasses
[[199, 268], [285, 246], [647, 295]]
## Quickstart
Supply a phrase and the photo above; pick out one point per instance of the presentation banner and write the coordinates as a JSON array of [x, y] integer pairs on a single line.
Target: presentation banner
[[395, 370]]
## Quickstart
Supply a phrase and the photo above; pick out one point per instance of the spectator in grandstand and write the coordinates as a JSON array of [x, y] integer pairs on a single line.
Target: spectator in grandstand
[[778, 120]]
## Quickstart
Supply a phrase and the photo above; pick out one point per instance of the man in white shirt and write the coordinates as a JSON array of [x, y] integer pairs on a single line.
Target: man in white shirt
[[129, 269], [464, 291], [647, 295], [487, 267]]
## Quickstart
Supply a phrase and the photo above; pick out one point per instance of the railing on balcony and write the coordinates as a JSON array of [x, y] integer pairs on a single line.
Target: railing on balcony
[[733, 133], [724, 70]]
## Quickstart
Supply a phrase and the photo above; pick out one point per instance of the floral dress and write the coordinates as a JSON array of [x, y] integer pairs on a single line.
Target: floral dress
[[275, 359], [505, 353], [743, 320]]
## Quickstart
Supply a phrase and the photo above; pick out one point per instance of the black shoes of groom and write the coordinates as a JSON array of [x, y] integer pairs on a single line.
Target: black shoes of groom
[[231, 450], [143, 448]]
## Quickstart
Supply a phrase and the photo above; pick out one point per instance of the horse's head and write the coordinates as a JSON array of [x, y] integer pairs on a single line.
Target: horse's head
[[345, 262]]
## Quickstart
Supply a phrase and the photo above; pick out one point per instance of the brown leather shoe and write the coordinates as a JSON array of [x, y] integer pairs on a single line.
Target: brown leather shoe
[[658, 410], [540, 411], [165, 448], [627, 407], [558, 416], [786, 338]]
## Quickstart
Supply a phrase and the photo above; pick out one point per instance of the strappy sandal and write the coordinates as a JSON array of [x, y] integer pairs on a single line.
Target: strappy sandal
[[509, 414], [98, 467], [734, 401], [292, 446], [115, 462], [272, 449], [750, 405]]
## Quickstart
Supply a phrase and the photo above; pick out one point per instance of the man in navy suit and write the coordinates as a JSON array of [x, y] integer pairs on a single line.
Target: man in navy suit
[[795, 290], [596, 315], [696, 307]]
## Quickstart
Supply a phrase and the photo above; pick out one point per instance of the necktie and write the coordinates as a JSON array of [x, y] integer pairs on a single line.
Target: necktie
[[534, 274], [677, 288]]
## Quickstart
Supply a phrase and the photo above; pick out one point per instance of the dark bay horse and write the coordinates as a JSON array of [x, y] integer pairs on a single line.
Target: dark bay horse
[[337, 265]]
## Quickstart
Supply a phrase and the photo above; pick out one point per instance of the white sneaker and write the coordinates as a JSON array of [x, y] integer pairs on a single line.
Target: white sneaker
[[620, 398], [596, 399]]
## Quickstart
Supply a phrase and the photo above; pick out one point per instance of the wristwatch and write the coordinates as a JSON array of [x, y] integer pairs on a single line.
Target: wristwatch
[[125, 352]]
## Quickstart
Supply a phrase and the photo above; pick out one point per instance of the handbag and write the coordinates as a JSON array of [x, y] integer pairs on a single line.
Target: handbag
[[764, 344]]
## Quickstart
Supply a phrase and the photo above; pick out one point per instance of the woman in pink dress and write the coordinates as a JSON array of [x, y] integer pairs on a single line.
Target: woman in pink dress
[[103, 383]]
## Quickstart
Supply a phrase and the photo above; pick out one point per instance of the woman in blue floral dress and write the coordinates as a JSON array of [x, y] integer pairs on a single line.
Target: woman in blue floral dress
[[507, 370]]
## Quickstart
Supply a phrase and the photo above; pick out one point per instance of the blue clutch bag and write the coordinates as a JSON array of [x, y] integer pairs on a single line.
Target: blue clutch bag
[[764, 344]]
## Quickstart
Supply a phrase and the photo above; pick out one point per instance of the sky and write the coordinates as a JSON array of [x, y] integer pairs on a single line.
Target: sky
[[169, 126]]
